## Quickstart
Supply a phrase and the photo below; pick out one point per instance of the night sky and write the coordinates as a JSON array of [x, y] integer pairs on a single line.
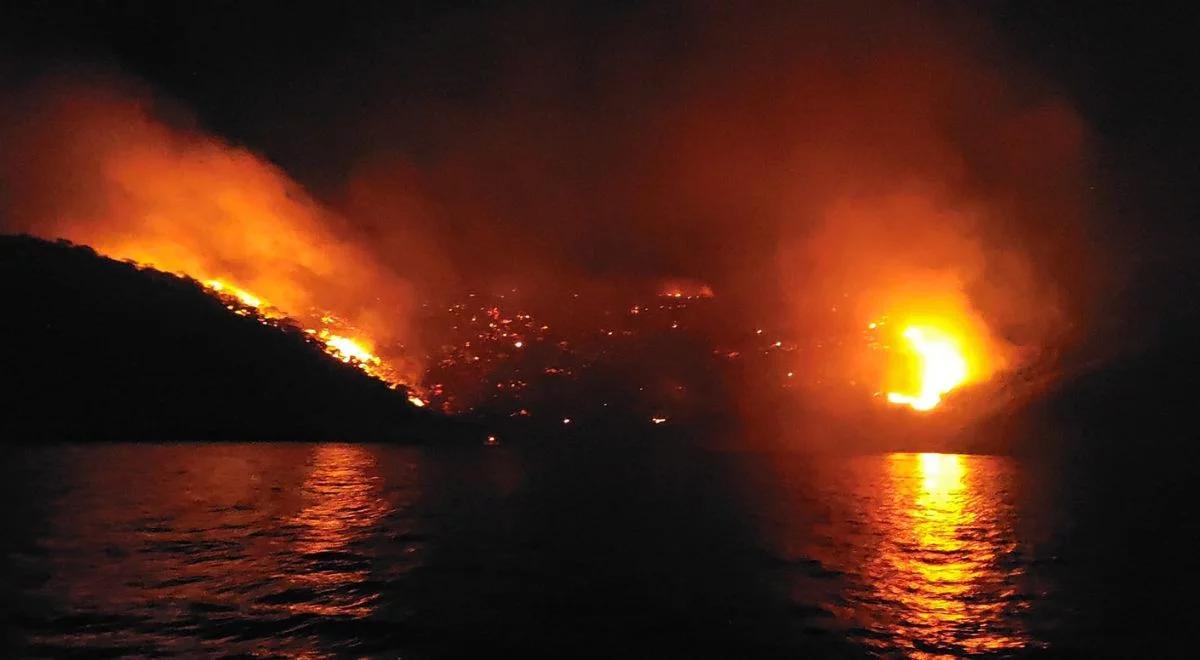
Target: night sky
[[259, 71]]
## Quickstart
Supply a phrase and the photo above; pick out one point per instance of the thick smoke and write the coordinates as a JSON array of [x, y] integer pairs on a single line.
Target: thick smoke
[[818, 167], [783, 154], [98, 165]]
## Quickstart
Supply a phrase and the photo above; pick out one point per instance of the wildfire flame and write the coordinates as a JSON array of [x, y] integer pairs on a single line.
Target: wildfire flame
[[927, 338], [346, 349], [184, 202], [247, 298], [942, 367], [351, 350]]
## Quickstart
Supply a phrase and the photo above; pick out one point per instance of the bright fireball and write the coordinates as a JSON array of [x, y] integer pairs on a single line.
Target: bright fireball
[[940, 365]]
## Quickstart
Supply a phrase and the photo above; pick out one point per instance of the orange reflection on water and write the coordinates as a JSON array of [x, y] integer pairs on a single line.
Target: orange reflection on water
[[343, 503], [940, 574]]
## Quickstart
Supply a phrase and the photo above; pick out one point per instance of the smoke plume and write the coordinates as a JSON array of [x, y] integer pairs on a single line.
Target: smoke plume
[[817, 167]]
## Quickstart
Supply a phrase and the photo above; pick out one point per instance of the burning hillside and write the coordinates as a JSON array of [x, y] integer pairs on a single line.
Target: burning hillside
[[335, 336], [101, 349], [891, 229], [181, 202], [673, 359]]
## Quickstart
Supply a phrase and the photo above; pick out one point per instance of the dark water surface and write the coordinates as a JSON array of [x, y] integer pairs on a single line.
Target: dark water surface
[[373, 550]]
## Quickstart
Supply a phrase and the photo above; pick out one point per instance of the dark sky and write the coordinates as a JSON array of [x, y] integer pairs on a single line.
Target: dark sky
[[263, 72], [286, 77], [1131, 70]]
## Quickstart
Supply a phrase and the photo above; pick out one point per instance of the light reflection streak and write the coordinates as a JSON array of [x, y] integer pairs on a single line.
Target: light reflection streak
[[942, 589], [343, 503]]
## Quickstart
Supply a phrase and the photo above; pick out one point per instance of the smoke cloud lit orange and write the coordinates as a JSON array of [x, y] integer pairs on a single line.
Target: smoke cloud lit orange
[[97, 167], [840, 172]]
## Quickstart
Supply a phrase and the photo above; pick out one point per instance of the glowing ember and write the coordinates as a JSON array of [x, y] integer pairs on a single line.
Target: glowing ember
[[942, 367], [416, 401], [685, 289]]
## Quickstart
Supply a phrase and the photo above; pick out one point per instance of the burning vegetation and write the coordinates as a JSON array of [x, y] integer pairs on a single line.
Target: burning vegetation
[[131, 353], [182, 202], [887, 228], [940, 367], [337, 338]]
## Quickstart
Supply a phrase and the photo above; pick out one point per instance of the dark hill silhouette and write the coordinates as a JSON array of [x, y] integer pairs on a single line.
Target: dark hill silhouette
[[94, 348], [1136, 405]]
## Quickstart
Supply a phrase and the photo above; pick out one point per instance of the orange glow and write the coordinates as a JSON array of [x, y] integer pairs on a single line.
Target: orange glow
[[942, 367], [935, 571], [933, 540], [246, 297], [351, 350], [186, 203], [343, 503], [933, 345], [683, 288], [345, 349]]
